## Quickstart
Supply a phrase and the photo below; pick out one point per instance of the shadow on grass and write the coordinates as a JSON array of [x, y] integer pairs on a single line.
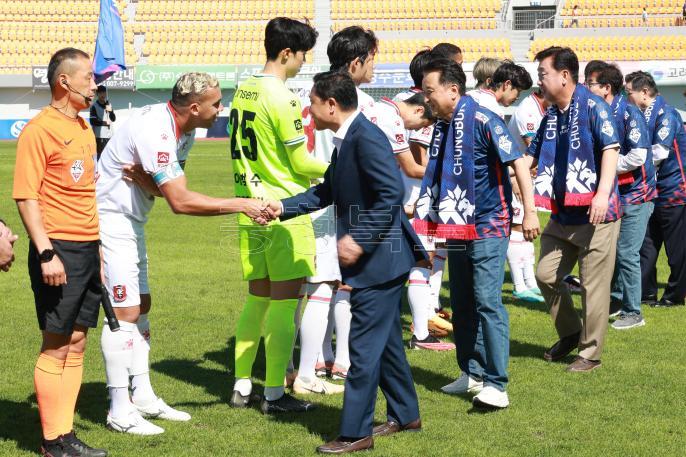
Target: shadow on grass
[[93, 403], [20, 423]]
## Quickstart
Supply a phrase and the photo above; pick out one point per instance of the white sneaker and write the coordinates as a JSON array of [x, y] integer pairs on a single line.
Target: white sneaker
[[490, 397], [462, 385], [160, 410], [134, 424], [316, 386]]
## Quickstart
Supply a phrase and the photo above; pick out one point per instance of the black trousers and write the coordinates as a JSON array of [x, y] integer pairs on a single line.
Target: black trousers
[[666, 226], [100, 144]]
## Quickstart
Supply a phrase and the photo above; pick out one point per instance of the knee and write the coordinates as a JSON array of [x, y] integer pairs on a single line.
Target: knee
[[546, 277]]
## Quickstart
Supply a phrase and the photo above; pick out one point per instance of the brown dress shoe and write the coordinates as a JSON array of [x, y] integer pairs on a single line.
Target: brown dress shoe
[[392, 427], [562, 348], [583, 365], [341, 446]]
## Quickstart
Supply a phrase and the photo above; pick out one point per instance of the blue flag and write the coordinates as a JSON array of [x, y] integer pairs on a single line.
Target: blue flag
[[109, 46]]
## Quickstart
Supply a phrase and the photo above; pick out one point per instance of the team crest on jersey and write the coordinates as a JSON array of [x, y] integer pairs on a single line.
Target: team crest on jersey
[[162, 158], [663, 133], [530, 126], [505, 144], [665, 122], [399, 138], [426, 131], [632, 124], [119, 293], [607, 128], [603, 114], [76, 170], [634, 135], [498, 130]]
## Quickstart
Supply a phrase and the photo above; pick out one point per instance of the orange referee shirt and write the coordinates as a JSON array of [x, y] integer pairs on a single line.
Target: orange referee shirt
[[56, 165]]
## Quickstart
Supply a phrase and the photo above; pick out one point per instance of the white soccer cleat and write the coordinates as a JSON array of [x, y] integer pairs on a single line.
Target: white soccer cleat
[[316, 386], [160, 410], [462, 385], [134, 424], [490, 397]]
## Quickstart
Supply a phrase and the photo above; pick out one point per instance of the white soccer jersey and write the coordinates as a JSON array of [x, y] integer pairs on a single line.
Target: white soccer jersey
[[421, 136], [151, 138], [390, 122], [366, 104], [526, 118], [486, 98]]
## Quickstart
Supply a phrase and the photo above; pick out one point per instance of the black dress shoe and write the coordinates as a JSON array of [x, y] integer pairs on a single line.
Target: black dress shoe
[[650, 300], [82, 448], [342, 445], [392, 427], [664, 303], [562, 348], [286, 404]]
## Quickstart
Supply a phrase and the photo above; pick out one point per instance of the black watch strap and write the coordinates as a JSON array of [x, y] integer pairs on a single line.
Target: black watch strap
[[46, 256]]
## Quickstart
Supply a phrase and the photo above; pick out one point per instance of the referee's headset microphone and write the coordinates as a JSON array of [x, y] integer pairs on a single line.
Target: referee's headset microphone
[[88, 99]]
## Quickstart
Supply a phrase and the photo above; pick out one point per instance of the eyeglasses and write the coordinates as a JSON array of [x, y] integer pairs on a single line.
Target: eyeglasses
[[591, 84]]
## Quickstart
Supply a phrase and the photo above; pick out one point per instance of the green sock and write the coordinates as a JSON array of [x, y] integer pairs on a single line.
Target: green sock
[[279, 331], [248, 332]]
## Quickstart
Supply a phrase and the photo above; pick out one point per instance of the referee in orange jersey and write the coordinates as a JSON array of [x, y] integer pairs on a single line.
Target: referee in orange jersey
[[54, 187]]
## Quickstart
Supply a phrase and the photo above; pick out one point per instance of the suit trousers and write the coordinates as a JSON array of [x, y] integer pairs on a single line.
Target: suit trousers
[[666, 226], [377, 359], [594, 247]]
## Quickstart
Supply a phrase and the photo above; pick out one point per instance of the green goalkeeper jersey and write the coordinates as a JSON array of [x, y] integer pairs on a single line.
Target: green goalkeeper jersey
[[265, 119]]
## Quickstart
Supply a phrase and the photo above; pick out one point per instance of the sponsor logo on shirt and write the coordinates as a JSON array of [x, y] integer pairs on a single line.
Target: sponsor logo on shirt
[[663, 133], [162, 158], [530, 126], [119, 293], [607, 128], [298, 124], [399, 138], [504, 144], [76, 170], [634, 135]]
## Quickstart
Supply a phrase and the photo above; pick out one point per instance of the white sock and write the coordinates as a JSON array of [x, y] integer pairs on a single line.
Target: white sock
[[515, 256], [419, 298], [436, 280], [117, 352], [528, 266], [313, 328], [343, 316], [243, 386], [141, 389], [326, 354]]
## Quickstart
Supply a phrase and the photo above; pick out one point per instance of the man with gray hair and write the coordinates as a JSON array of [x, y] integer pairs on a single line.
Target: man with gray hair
[[145, 159]]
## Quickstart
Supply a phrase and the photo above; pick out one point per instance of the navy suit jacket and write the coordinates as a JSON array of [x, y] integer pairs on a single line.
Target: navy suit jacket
[[364, 183]]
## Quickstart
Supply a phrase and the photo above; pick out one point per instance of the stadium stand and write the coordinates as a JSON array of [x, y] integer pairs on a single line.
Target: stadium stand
[[227, 10], [406, 9], [622, 13], [618, 48], [402, 50]]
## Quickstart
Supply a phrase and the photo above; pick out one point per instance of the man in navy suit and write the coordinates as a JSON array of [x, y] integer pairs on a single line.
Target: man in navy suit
[[377, 247]]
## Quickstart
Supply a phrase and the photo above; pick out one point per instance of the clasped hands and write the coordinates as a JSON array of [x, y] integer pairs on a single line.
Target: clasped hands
[[261, 211]]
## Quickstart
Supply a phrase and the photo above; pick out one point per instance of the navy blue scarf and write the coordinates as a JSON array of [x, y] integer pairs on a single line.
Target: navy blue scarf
[[446, 202], [581, 173]]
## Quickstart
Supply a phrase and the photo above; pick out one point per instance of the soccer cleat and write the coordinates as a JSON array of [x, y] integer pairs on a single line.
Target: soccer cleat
[[316, 386], [430, 343], [528, 296], [536, 290], [285, 404], [58, 448], [243, 401], [491, 398], [338, 373], [82, 448], [160, 410], [134, 424], [323, 370], [462, 385]]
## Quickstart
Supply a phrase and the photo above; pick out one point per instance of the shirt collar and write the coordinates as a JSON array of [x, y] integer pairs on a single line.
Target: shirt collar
[[342, 131]]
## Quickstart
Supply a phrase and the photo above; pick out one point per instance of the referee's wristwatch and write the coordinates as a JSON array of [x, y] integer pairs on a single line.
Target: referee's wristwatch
[[46, 256]]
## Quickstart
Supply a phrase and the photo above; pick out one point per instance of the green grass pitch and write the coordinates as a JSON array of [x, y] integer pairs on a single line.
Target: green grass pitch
[[633, 406]]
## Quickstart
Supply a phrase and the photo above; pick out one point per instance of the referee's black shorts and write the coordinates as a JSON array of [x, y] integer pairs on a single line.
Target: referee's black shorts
[[76, 302]]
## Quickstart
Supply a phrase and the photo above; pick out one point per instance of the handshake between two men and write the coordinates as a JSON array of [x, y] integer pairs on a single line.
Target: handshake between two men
[[264, 211]]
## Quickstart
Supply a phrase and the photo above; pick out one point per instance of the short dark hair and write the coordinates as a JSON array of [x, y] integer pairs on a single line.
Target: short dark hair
[[101, 89], [447, 50], [59, 58], [516, 74], [451, 72], [418, 99], [612, 75], [284, 32], [563, 59], [594, 66], [337, 85], [417, 66], [642, 80], [349, 44]]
